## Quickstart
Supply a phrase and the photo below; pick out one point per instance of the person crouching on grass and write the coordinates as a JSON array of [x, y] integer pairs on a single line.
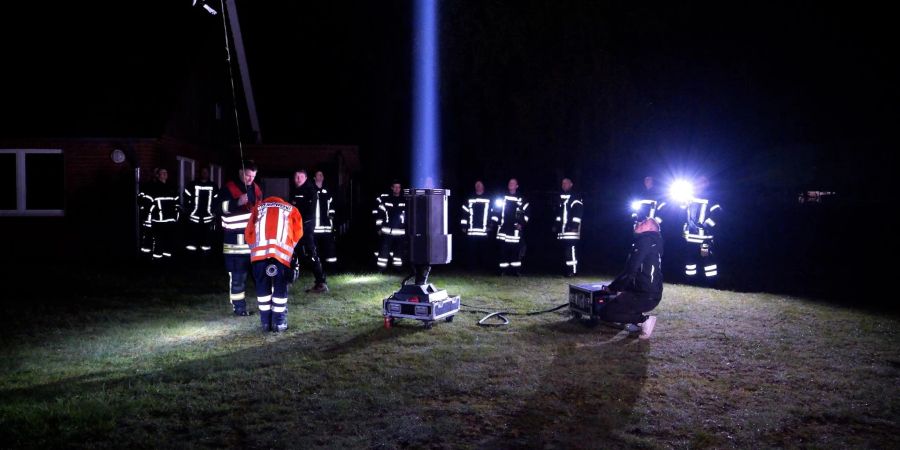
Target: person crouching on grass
[[638, 289], [273, 231]]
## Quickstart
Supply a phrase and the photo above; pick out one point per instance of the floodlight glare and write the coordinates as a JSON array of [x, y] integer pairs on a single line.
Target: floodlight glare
[[681, 191], [498, 203], [205, 6], [636, 205]]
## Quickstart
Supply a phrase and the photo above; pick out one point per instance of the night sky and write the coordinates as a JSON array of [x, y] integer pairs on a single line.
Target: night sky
[[777, 97]]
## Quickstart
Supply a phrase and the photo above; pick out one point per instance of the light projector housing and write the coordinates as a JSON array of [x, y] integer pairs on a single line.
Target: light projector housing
[[426, 225]]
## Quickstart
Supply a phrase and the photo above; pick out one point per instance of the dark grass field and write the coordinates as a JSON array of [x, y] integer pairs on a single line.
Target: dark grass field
[[128, 360]]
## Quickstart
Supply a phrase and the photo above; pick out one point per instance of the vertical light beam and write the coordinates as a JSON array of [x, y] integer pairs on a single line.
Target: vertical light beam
[[426, 149]]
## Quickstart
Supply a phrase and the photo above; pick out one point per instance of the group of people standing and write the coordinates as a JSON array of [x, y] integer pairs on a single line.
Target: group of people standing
[[695, 216], [271, 237], [506, 219], [493, 228], [169, 220], [268, 237]]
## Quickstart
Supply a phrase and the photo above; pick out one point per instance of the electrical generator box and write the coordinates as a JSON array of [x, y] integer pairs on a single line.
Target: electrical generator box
[[420, 302], [586, 300]]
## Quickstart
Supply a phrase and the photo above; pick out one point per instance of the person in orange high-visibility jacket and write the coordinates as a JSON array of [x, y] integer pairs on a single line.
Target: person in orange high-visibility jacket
[[273, 231]]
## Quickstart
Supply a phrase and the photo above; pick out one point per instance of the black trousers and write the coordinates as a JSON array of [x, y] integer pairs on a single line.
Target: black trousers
[[237, 266], [146, 237], [628, 307], [392, 251], [570, 251], [199, 236], [511, 255], [326, 248], [698, 266], [307, 252], [476, 253], [271, 291], [165, 234]]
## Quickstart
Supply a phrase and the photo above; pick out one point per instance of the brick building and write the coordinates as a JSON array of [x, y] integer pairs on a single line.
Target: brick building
[[69, 197]]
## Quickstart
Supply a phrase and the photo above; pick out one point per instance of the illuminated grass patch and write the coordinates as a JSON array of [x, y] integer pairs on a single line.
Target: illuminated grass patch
[[161, 363]]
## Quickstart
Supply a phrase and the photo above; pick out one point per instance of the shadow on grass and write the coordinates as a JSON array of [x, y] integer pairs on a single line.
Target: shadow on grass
[[587, 394], [369, 338]]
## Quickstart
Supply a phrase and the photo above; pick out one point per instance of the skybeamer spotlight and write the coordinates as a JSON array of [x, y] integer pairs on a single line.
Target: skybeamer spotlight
[[430, 242], [682, 191]]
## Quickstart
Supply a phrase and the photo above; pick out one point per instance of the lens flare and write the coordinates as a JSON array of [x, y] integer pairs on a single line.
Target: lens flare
[[681, 191]]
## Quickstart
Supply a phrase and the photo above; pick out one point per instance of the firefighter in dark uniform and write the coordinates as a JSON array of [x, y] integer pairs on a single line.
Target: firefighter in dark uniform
[[475, 222], [145, 204], [164, 215], [510, 215], [648, 204], [304, 197], [568, 225], [199, 197], [236, 200], [390, 218], [324, 221], [701, 218]]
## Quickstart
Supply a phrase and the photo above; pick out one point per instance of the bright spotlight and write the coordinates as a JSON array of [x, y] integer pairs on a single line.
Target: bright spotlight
[[205, 6], [681, 191], [636, 205], [498, 203]]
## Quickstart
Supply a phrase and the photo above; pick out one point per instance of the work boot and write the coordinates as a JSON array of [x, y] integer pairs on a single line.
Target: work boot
[[265, 318], [279, 322], [318, 288], [631, 328], [647, 327], [240, 308]]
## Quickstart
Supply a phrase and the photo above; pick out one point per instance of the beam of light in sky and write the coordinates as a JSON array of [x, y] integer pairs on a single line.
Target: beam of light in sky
[[426, 149]]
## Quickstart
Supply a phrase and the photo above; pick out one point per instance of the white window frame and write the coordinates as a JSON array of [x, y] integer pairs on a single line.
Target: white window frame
[[215, 174], [21, 185], [182, 178]]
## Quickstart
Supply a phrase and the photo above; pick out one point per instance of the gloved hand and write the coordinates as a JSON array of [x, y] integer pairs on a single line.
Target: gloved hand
[[294, 273]]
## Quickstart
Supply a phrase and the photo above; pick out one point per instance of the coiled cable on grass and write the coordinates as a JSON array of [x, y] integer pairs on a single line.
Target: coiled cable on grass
[[502, 314]]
